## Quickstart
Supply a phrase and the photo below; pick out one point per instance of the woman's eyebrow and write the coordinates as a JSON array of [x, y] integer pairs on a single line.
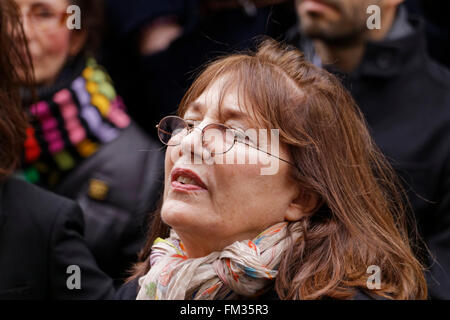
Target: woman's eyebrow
[[195, 107], [232, 114], [41, 3], [226, 114]]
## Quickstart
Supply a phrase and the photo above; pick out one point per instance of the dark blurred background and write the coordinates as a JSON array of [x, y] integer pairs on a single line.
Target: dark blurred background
[[152, 81]]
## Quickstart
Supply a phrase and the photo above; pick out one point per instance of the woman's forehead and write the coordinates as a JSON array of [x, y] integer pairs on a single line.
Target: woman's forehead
[[60, 4], [228, 109], [221, 101]]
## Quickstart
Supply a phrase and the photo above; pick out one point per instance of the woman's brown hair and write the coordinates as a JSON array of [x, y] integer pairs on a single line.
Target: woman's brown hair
[[15, 64], [362, 218]]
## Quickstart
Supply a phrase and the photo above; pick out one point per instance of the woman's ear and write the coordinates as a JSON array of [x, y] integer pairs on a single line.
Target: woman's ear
[[77, 42], [304, 204]]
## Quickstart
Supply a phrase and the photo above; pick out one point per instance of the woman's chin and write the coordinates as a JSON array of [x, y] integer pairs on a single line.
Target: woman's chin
[[179, 213]]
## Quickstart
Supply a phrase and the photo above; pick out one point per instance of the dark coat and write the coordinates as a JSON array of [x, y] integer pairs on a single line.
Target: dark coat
[[115, 173], [405, 97], [132, 167], [41, 235]]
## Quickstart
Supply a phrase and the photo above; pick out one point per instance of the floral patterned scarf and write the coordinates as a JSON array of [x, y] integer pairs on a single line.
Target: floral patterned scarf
[[245, 268]]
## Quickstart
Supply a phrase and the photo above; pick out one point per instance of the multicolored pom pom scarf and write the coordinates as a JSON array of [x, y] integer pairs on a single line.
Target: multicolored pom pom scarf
[[71, 123]]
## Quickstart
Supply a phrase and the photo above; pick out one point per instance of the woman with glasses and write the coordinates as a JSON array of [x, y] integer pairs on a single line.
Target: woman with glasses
[[43, 254], [329, 222], [81, 142]]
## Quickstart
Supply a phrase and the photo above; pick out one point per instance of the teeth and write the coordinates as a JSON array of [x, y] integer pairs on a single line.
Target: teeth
[[186, 180]]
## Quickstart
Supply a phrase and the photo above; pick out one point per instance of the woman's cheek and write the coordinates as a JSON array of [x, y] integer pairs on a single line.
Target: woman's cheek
[[168, 165], [58, 43], [51, 56]]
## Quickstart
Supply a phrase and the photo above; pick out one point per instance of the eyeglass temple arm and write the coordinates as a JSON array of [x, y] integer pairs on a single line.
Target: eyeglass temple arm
[[268, 153]]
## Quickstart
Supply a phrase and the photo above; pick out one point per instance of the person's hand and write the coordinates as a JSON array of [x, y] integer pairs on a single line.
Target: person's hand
[[158, 35]]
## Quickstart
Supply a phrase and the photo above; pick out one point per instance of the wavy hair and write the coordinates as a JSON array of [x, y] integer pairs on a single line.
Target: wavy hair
[[15, 64]]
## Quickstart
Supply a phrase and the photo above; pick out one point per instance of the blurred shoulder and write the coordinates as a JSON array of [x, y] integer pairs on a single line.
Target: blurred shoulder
[[128, 291], [20, 198]]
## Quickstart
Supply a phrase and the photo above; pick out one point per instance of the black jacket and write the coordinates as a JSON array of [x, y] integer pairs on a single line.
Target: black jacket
[[405, 97], [82, 145], [41, 235]]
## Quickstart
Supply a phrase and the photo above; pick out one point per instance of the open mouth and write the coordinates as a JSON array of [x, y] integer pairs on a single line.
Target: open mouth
[[186, 180]]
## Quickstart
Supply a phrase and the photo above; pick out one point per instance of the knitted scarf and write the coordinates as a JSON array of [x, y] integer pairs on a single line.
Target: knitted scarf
[[245, 268], [71, 122]]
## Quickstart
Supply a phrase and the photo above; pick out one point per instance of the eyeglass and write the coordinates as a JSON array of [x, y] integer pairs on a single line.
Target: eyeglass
[[45, 19], [216, 137]]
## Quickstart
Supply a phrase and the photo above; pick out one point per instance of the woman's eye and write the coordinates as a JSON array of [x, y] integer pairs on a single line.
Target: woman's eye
[[43, 14], [191, 124], [243, 137], [250, 141]]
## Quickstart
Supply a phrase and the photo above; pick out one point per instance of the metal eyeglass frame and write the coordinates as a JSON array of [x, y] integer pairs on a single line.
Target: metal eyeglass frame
[[190, 129]]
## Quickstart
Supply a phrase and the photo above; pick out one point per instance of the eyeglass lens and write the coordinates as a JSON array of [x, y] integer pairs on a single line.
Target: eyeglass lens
[[217, 138], [45, 18]]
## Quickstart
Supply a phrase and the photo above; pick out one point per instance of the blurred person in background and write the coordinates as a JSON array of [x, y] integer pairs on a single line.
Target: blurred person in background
[[405, 97], [308, 230], [154, 47], [82, 143], [41, 234]]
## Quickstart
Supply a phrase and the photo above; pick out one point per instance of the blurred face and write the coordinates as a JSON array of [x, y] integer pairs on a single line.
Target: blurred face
[[212, 206], [49, 39], [334, 20]]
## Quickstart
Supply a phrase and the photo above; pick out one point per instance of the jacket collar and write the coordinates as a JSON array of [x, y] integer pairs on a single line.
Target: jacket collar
[[390, 57]]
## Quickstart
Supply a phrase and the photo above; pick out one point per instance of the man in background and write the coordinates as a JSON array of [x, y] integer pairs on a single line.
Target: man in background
[[405, 97]]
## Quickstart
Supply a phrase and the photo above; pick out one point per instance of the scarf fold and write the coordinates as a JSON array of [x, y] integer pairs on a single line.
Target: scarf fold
[[244, 268]]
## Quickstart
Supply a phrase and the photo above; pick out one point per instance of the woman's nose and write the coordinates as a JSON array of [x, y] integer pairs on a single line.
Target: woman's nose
[[191, 146]]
